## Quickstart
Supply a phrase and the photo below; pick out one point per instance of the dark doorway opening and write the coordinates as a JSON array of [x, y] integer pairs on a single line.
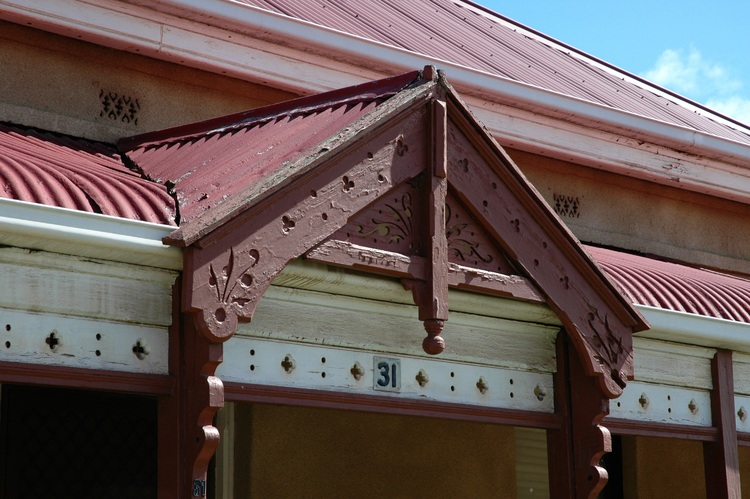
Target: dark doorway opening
[[72, 443]]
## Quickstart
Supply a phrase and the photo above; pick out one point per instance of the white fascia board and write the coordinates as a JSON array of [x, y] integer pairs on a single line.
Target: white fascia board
[[301, 274], [71, 232], [184, 31], [692, 329]]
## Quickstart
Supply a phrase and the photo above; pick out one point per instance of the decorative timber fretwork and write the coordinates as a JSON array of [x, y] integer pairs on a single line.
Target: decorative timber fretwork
[[414, 188]]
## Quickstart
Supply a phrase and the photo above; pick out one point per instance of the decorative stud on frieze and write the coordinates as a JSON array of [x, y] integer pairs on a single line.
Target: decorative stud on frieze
[[53, 340], [643, 400], [140, 349], [693, 406], [482, 385], [357, 371], [422, 378], [539, 393], [288, 363], [742, 414]]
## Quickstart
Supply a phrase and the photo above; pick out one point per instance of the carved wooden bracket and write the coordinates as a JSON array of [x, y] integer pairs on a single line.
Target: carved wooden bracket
[[203, 395], [599, 320]]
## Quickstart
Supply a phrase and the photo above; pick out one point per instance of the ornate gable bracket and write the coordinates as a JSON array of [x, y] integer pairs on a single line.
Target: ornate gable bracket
[[598, 319], [427, 137]]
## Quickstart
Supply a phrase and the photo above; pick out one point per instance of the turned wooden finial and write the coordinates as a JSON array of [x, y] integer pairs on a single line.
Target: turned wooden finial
[[433, 344]]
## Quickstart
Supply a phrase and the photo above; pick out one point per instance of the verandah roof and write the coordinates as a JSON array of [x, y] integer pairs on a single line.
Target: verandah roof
[[66, 172]]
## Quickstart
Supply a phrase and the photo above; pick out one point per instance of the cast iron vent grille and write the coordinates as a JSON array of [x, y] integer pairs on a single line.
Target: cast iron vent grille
[[567, 206], [118, 107], [66, 443]]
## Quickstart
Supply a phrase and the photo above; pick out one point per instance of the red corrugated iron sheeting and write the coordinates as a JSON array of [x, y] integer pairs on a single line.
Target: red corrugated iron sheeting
[[70, 173], [212, 161], [458, 32], [670, 286]]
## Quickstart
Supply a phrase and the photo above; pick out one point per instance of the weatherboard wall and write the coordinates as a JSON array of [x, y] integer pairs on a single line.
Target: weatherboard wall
[[72, 312]]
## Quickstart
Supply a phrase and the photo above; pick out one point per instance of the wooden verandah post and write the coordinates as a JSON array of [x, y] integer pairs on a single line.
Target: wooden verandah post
[[574, 451], [721, 458]]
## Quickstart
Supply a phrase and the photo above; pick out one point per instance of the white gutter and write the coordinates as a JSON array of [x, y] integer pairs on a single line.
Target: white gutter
[[250, 19], [90, 235], [691, 329]]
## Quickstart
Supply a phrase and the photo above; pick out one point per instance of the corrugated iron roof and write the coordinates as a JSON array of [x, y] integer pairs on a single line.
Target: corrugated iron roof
[[56, 170], [672, 286], [210, 162], [467, 34]]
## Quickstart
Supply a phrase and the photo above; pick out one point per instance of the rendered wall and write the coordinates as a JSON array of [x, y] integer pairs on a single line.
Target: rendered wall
[[64, 85], [614, 210]]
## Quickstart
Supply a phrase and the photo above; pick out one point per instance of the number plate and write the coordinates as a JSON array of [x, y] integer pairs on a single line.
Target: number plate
[[386, 374]]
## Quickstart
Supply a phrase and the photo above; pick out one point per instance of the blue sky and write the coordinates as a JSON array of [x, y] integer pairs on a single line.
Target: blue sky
[[697, 48]]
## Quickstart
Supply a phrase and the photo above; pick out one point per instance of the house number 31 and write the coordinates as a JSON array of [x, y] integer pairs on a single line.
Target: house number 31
[[387, 374]]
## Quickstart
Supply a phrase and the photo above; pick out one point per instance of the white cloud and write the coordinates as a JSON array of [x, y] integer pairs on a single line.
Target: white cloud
[[691, 74], [702, 80], [735, 107]]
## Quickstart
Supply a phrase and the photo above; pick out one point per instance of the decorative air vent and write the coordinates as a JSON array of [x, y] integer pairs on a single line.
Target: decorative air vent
[[567, 206], [119, 107]]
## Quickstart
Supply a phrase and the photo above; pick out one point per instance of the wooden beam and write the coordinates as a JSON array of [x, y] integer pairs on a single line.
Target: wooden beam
[[88, 379], [662, 430], [240, 392], [575, 450], [432, 298], [389, 263], [721, 458]]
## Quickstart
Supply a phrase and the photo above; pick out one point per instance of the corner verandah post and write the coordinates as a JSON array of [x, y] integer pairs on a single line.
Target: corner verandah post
[[721, 457], [574, 450], [187, 437]]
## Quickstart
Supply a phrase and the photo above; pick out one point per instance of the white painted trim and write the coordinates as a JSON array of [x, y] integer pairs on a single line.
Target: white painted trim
[[663, 404], [83, 343], [267, 362], [710, 164], [60, 230], [694, 329], [316, 277]]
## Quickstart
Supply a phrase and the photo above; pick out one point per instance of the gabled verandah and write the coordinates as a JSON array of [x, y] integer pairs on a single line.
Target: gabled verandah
[[318, 173]]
